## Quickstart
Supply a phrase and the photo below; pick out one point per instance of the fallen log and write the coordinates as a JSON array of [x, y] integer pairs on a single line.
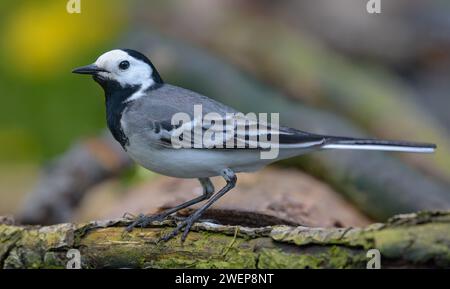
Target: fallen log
[[412, 241]]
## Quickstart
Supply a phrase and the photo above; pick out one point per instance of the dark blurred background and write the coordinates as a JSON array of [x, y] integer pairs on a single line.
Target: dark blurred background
[[326, 66]]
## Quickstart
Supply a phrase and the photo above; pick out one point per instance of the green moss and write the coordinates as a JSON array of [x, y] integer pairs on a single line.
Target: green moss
[[415, 239], [312, 257], [421, 243], [343, 257], [9, 235], [114, 256], [19, 255], [277, 259], [302, 236], [54, 260], [111, 248], [198, 244]]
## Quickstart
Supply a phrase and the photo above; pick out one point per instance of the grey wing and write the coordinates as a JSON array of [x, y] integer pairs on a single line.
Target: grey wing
[[220, 126], [185, 100], [239, 132]]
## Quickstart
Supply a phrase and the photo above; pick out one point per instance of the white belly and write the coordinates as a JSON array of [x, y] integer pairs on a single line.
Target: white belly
[[193, 163], [198, 163]]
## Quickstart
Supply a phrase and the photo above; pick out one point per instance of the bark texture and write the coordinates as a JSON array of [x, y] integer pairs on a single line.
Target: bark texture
[[414, 240]]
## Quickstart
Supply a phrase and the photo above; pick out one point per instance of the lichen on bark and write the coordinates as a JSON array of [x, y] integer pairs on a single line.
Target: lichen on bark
[[413, 240]]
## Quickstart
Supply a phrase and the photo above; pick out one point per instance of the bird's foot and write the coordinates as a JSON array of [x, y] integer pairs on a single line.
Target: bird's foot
[[186, 223], [143, 220]]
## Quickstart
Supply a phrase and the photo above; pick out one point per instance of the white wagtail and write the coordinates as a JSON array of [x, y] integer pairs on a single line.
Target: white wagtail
[[139, 112]]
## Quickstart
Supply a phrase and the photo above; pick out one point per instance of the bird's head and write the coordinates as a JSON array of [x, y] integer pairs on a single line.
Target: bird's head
[[125, 67]]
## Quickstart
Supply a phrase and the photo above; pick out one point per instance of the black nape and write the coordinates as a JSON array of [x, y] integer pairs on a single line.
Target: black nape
[[136, 54]]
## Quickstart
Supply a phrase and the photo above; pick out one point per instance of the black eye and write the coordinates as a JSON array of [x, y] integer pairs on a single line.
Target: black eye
[[124, 65]]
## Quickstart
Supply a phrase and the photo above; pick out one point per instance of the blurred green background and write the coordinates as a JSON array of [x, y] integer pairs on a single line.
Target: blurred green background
[[44, 106]]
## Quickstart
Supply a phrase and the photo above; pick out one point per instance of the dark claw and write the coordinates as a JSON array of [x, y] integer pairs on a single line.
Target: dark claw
[[187, 223], [186, 231], [173, 233], [143, 220]]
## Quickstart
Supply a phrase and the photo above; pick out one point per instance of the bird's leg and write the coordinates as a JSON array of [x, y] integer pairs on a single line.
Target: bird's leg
[[187, 223], [143, 220]]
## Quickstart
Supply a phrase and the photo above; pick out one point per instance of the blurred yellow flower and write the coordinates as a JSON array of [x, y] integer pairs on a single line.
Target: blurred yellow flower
[[39, 35]]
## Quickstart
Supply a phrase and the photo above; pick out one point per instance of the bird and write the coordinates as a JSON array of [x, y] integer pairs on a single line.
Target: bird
[[140, 108]]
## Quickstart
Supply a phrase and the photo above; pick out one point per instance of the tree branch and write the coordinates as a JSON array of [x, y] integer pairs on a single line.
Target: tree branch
[[413, 240]]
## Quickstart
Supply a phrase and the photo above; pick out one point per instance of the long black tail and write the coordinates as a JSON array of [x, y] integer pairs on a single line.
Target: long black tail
[[379, 145]]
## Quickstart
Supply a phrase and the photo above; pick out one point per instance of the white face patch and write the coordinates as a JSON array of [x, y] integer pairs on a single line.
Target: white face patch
[[138, 73]]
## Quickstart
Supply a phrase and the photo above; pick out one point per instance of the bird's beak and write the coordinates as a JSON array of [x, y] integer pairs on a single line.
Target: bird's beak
[[88, 69]]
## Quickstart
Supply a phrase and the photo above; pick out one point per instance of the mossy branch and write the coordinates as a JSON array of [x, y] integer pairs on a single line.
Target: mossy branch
[[413, 240]]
